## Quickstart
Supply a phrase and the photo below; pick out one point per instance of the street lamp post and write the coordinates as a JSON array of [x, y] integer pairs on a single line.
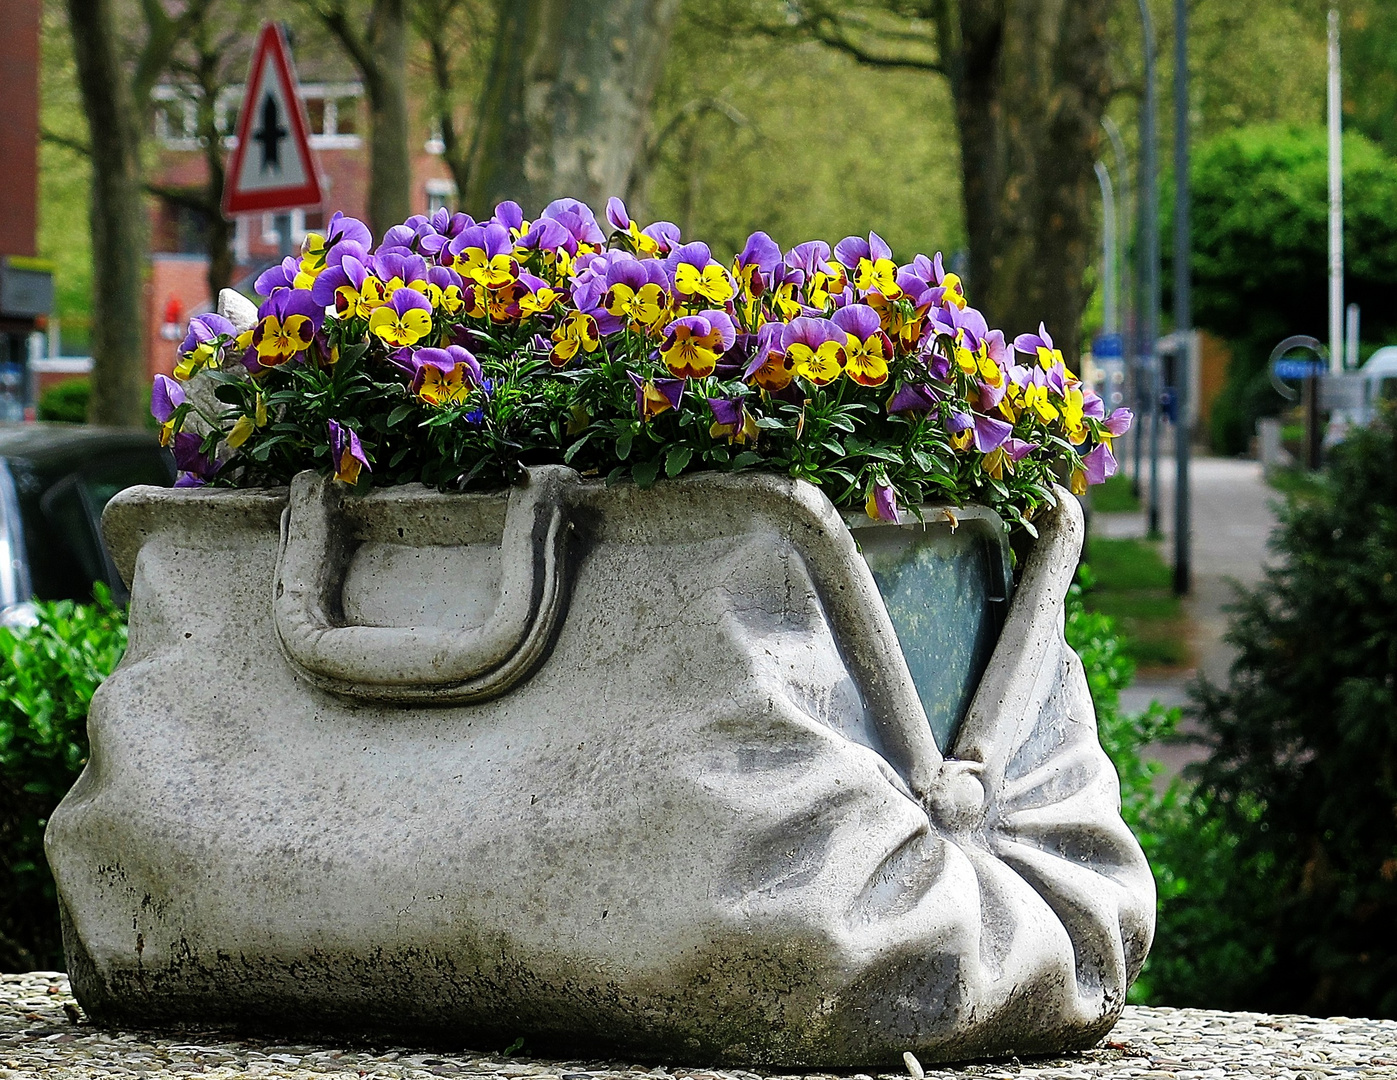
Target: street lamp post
[[1149, 262], [1125, 291]]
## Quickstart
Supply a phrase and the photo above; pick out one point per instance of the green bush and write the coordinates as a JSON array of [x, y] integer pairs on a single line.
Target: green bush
[[1302, 781], [65, 403], [47, 678]]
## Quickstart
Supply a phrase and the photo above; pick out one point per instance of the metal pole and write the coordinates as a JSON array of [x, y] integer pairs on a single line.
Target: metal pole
[[1350, 337], [1109, 321], [1336, 203], [1183, 309], [1149, 259], [1126, 293]]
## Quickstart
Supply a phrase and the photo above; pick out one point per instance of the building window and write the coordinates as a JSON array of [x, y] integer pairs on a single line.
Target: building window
[[176, 117], [441, 194], [274, 224]]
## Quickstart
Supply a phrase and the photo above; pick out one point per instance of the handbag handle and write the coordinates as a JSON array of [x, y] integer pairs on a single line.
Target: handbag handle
[[421, 664]]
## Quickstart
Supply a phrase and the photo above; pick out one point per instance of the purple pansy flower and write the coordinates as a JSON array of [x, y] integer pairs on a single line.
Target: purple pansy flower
[[1099, 464], [990, 434], [346, 454], [653, 397], [882, 504]]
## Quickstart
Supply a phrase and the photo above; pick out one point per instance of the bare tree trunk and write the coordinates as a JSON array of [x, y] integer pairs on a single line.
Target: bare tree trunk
[[380, 54], [118, 222], [566, 105], [1031, 83], [390, 162]]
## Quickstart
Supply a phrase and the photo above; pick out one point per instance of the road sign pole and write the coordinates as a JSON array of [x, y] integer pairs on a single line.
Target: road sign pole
[[1183, 313]]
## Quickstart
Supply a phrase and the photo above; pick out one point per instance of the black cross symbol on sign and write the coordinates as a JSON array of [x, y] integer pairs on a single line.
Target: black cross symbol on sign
[[270, 134]]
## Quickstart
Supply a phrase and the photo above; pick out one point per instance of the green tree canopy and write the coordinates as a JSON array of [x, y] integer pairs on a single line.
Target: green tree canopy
[[1260, 258]]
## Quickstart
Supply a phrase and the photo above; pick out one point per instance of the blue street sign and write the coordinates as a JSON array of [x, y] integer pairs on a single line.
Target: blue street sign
[[1107, 347], [1298, 369]]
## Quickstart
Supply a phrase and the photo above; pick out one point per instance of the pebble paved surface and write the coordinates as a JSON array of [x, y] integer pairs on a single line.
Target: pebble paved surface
[[43, 1034]]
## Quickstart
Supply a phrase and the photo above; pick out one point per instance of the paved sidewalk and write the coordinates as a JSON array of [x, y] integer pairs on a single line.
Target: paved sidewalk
[[1233, 515], [43, 1034]]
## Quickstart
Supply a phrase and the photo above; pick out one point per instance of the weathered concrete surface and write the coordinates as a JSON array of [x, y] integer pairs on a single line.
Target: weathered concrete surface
[[707, 823], [38, 1038]]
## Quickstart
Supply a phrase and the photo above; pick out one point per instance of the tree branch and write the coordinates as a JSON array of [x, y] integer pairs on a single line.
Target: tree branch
[[45, 135], [336, 20]]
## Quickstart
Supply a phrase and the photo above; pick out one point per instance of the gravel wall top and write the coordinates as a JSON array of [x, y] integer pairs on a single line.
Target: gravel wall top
[[44, 1034]]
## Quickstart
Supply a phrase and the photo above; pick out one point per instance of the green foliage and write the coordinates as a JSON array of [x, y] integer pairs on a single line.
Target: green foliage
[[1115, 496], [47, 679], [785, 135], [1304, 772], [1260, 198], [65, 403], [1134, 586]]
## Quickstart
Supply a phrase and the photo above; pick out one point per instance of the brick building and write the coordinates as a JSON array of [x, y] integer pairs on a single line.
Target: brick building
[[26, 283]]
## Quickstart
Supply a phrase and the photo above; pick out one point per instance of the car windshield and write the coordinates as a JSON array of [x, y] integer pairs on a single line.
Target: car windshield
[[61, 509]]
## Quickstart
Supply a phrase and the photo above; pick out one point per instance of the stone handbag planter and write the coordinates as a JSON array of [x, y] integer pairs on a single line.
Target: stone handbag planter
[[616, 771]]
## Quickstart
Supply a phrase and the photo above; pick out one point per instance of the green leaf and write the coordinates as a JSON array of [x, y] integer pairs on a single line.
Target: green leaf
[[646, 473], [572, 450], [399, 414], [677, 459], [623, 446], [744, 459], [770, 423]]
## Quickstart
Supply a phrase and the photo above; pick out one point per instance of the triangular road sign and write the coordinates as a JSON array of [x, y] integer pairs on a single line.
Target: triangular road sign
[[271, 168]]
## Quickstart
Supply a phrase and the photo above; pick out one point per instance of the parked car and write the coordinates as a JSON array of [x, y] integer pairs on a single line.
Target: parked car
[[55, 479]]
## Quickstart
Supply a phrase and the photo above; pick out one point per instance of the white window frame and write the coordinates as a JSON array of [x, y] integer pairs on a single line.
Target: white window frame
[[444, 190]]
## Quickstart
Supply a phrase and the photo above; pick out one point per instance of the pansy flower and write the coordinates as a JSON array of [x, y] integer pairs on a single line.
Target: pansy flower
[[786, 286], [635, 294], [283, 275], [485, 254], [195, 466], [1098, 466], [754, 266], [643, 245], [1116, 425], [949, 291], [343, 235], [288, 323], [989, 433], [868, 349], [537, 296], [732, 421], [693, 343], [816, 349], [203, 343], [698, 274], [576, 333], [443, 289], [881, 503], [1040, 346], [405, 320], [346, 453], [444, 376], [770, 367], [400, 271], [437, 232], [915, 398], [350, 288], [871, 262], [1003, 458], [655, 396], [166, 396]]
